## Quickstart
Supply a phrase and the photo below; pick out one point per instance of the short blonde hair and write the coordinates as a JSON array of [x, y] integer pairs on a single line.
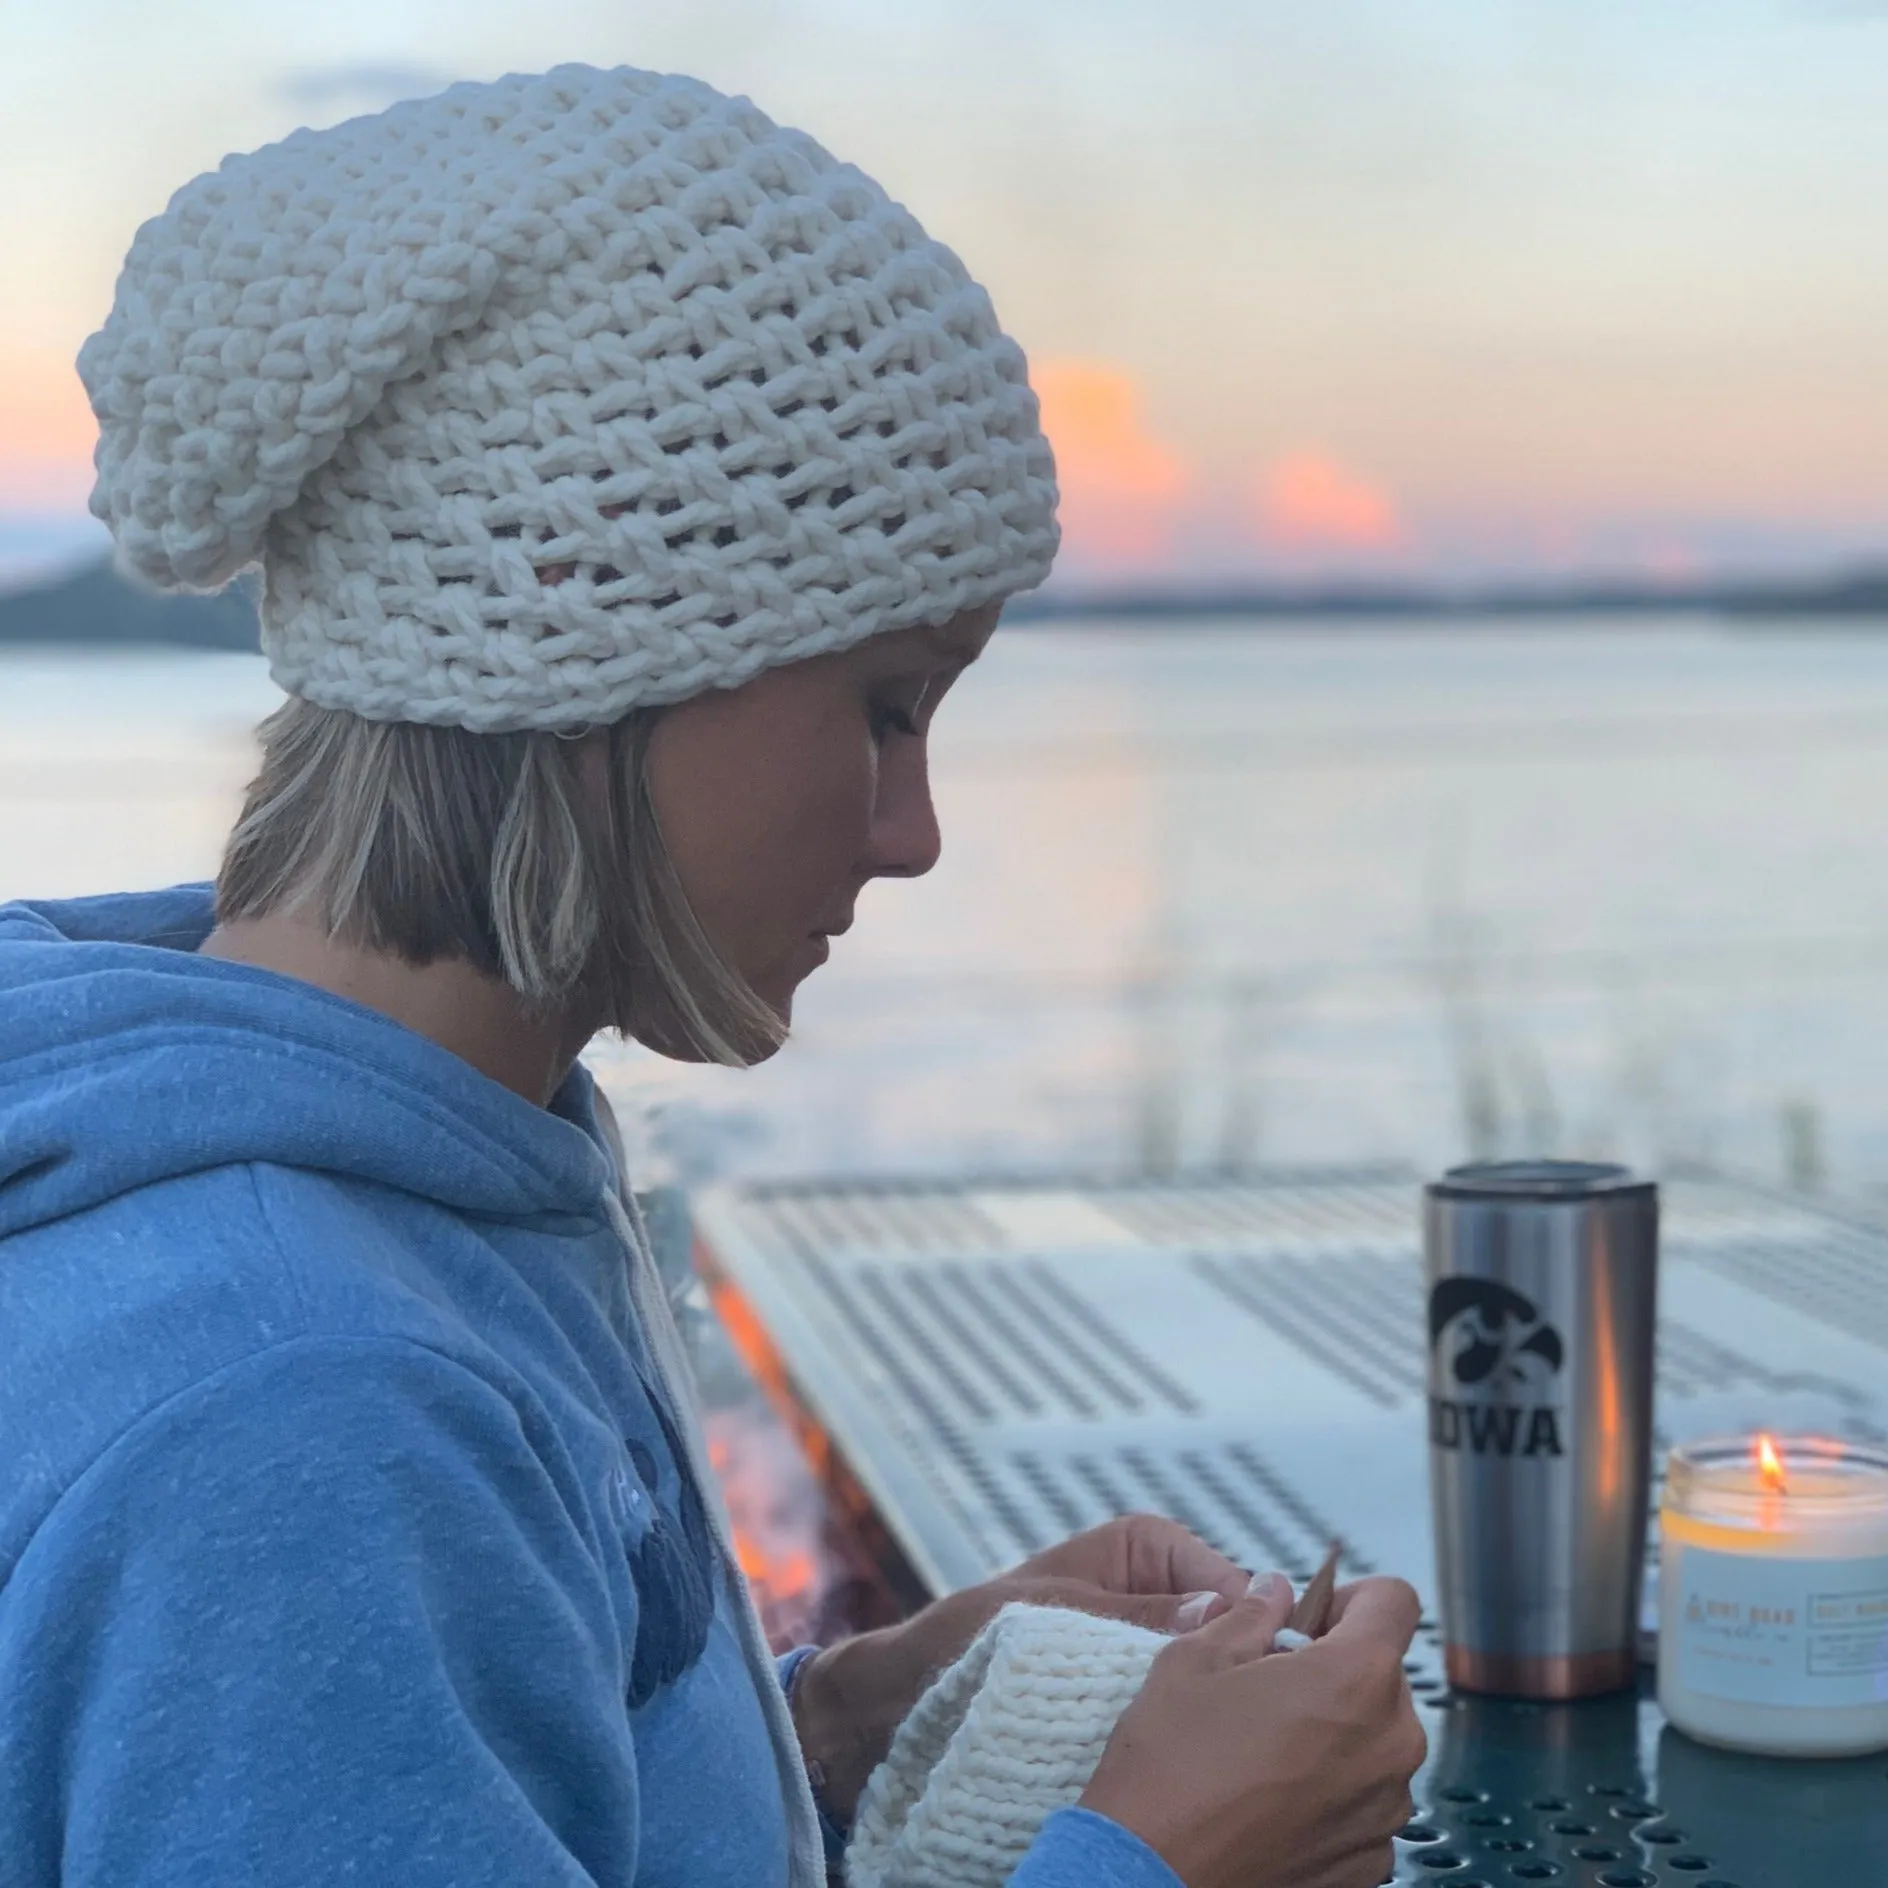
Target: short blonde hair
[[437, 843]]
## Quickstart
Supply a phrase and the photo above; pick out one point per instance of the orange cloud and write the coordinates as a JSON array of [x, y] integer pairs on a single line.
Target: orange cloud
[[46, 434], [1307, 499], [1120, 485]]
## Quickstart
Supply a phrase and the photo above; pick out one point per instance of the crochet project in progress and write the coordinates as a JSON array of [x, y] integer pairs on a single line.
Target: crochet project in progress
[[545, 399], [1008, 1734]]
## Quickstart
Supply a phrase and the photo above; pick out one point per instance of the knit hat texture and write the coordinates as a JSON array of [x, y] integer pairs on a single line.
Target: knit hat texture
[[544, 399], [1008, 1734]]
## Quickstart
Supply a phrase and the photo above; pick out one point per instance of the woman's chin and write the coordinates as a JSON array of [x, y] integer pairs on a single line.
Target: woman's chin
[[780, 982]]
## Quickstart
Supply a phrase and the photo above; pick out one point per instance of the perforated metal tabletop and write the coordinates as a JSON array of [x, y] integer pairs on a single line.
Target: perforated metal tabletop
[[994, 1365]]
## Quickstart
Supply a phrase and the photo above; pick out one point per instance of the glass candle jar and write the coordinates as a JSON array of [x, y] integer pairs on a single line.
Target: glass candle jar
[[1773, 1595]]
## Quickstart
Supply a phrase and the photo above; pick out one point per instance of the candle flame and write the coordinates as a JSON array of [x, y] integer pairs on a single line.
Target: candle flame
[[1770, 1464]]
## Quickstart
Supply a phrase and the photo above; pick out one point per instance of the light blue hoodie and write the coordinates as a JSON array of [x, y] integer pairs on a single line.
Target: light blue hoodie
[[348, 1530]]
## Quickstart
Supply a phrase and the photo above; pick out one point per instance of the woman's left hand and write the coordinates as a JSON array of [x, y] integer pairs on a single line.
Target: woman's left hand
[[852, 1696]]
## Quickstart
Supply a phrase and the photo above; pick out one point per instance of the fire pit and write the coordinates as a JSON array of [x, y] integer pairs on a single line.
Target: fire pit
[[977, 1368]]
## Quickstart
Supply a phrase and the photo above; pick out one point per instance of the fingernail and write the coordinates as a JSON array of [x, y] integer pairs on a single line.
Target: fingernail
[[1269, 1586], [1285, 1639], [1193, 1611]]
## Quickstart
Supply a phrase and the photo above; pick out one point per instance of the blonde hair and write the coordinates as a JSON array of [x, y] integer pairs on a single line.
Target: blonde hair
[[435, 843]]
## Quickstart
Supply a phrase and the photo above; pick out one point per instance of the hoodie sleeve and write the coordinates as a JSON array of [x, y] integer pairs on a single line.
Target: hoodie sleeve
[[1076, 1848], [326, 1617]]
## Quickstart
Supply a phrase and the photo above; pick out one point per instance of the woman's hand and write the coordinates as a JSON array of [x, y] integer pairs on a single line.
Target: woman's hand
[[852, 1696], [1244, 1768]]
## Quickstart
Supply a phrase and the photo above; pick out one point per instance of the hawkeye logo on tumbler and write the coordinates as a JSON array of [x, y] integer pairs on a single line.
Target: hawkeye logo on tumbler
[[1496, 1341]]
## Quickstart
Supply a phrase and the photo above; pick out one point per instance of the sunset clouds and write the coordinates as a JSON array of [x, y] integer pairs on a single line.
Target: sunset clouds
[[1307, 501], [1130, 498], [1121, 486], [1307, 291]]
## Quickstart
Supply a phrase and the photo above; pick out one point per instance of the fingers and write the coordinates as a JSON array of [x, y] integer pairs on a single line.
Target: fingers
[[1174, 1613], [1246, 1630], [1154, 1572], [1378, 1608], [1164, 1557], [1140, 1553]]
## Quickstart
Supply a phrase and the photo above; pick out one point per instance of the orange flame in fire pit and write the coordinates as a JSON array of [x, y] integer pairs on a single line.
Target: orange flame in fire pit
[[775, 1514], [771, 1462]]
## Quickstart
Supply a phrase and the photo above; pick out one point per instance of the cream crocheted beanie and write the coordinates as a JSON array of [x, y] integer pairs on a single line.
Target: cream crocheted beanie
[[1009, 1733], [544, 399]]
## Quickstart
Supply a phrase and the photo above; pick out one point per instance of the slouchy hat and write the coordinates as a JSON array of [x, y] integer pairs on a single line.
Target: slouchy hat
[[545, 399]]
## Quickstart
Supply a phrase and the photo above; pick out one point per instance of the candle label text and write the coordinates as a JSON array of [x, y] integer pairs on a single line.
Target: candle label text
[[1761, 1629]]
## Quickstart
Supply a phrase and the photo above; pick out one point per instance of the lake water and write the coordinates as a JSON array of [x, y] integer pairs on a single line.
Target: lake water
[[1215, 898]]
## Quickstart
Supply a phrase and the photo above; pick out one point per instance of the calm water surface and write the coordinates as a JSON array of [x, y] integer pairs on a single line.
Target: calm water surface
[[1219, 898]]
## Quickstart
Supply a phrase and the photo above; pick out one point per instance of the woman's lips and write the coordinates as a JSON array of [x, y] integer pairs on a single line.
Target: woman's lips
[[819, 944]]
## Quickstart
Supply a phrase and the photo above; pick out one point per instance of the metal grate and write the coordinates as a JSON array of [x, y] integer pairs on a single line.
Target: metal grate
[[1350, 1209], [1226, 1493], [941, 1350], [1836, 1279], [1360, 1318], [999, 1365], [885, 1219]]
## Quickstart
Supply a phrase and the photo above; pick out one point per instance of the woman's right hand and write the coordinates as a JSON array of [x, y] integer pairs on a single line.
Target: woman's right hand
[[1244, 1768]]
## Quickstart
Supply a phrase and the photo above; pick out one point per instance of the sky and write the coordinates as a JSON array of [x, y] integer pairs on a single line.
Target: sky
[[1311, 288]]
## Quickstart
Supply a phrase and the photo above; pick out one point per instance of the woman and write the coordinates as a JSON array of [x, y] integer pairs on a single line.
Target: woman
[[630, 482]]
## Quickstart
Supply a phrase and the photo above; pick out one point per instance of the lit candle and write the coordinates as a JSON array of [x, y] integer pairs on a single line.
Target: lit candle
[[1773, 1595]]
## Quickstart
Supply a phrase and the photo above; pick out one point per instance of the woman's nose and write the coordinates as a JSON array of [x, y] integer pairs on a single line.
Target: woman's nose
[[904, 841]]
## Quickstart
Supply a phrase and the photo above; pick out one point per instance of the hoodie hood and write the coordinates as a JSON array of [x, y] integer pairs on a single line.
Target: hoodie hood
[[126, 1059]]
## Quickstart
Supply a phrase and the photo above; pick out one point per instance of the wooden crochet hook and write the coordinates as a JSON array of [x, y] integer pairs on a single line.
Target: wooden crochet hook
[[1312, 1614]]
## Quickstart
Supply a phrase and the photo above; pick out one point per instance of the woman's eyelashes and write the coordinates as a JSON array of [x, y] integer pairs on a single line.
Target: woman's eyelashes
[[908, 707], [891, 718]]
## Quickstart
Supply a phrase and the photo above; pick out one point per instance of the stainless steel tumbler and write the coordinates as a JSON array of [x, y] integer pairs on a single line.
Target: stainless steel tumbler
[[1542, 1296]]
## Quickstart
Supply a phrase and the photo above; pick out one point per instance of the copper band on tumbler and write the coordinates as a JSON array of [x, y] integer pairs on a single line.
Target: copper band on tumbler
[[1583, 1675], [1542, 1299]]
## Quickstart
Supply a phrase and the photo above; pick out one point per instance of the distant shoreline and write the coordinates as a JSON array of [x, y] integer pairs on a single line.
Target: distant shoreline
[[1864, 596], [93, 607]]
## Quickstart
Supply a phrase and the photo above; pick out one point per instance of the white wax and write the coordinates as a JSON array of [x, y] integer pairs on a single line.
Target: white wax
[[1773, 1610]]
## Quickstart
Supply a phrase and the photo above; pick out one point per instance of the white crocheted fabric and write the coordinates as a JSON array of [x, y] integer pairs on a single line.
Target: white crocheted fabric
[[543, 399], [1009, 1733]]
